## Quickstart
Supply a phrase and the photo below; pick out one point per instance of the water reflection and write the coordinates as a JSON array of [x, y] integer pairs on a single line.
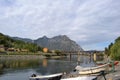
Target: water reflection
[[55, 66], [44, 62], [41, 66], [18, 63], [22, 69]]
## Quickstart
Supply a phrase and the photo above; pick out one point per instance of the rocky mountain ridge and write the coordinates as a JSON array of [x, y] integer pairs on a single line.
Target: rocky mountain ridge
[[61, 42]]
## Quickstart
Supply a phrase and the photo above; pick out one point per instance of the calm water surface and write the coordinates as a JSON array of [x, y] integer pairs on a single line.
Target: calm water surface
[[23, 69]]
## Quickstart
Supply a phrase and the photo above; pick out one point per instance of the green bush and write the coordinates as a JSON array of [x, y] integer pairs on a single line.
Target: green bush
[[113, 50]]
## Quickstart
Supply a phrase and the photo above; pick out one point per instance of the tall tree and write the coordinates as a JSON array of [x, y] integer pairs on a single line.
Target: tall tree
[[115, 50]]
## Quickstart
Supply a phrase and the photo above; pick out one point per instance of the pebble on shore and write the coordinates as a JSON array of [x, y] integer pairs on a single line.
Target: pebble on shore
[[113, 75]]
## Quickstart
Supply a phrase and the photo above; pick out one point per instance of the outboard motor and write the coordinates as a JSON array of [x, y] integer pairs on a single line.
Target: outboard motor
[[33, 75], [95, 78]]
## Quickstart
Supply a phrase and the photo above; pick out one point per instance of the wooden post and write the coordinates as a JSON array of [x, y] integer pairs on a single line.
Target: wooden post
[[95, 57], [90, 54], [78, 57], [70, 57]]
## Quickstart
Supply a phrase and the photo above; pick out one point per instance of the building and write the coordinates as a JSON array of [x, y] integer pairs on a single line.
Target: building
[[24, 50], [10, 49], [2, 48], [45, 50]]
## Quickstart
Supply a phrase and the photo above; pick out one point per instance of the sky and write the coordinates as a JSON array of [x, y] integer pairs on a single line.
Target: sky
[[93, 24]]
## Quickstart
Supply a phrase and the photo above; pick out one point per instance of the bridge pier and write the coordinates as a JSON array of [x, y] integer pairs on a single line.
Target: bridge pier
[[94, 57], [70, 56], [78, 60]]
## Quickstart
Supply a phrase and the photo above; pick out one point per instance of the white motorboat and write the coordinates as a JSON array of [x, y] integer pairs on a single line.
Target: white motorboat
[[81, 78], [46, 77], [92, 70], [61, 76], [79, 73]]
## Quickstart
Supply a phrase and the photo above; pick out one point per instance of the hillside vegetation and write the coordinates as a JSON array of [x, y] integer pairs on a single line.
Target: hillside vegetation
[[8, 42], [113, 50]]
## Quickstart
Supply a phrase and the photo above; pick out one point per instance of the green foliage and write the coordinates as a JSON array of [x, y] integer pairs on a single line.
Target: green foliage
[[58, 52], [5, 40], [17, 44], [117, 40], [113, 50], [107, 50]]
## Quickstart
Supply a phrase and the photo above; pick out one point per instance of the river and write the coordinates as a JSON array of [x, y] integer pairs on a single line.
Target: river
[[23, 69]]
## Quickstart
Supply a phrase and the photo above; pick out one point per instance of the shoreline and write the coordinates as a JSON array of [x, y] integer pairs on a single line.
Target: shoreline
[[27, 57], [113, 75]]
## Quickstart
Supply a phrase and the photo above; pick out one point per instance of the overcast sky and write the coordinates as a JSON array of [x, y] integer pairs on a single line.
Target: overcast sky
[[93, 24]]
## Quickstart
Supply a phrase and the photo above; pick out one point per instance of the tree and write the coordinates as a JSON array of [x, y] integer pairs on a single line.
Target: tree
[[115, 50], [107, 50], [8, 42], [58, 52]]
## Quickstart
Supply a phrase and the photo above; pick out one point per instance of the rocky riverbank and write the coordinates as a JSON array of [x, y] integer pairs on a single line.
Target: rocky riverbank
[[113, 75]]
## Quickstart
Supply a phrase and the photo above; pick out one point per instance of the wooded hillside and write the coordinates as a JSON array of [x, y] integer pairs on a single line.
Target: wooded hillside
[[113, 50], [8, 42]]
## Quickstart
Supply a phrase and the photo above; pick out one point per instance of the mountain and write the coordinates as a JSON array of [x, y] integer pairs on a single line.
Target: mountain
[[23, 39], [44, 41], [61, 42], [8, 42]]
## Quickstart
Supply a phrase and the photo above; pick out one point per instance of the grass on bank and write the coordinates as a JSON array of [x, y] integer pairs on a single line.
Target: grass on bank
[[47, 55]]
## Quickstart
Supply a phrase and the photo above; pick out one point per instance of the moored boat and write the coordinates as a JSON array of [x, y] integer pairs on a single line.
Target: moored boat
[[92, 70], [76, 76], [46, 77], [115, 63], [81, 78], [79, 74]]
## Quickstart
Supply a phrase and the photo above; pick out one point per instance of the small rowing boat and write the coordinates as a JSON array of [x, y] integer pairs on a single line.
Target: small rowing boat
[[46, 77]]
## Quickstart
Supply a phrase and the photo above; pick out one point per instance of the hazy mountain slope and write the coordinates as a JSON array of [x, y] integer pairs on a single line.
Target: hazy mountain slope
[[61, 42]]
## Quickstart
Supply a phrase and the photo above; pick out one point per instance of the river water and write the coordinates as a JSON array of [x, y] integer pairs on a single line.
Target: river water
[[23, 69]]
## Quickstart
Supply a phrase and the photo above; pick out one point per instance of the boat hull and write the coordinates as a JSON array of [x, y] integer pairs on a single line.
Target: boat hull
[[47, 77], [81, 78], [92, 70]]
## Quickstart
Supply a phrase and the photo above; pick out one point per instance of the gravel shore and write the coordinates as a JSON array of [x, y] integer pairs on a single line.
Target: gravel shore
[[113, 75]]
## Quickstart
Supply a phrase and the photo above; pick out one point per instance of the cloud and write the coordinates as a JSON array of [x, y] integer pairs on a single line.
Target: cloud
[[88, 22]]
